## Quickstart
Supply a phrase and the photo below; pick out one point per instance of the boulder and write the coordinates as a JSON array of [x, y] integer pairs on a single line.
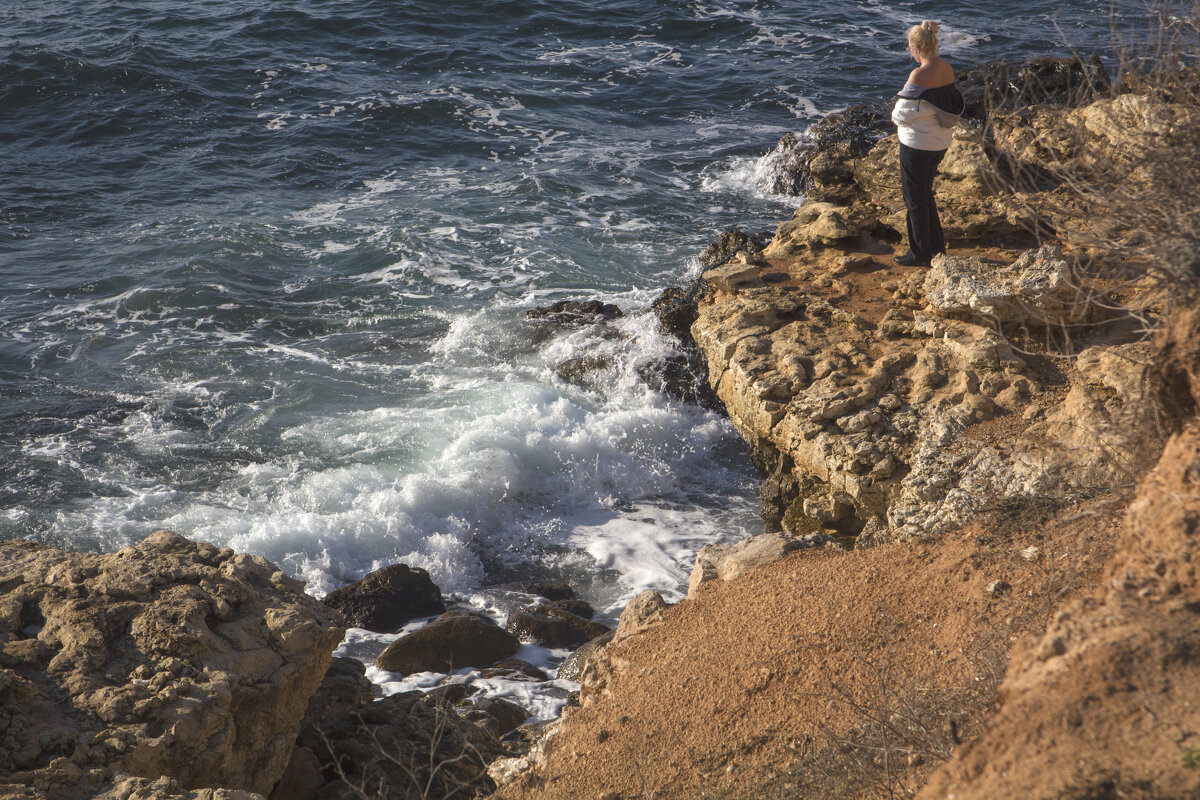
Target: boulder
[[167, 658], [453, 641], [551, 626], [388, 599], [540, 630], [815, 162], [580, 608], [733, 275], [1035, 291]]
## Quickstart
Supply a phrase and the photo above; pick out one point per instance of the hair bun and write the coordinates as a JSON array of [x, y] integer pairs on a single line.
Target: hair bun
[[929, 25]]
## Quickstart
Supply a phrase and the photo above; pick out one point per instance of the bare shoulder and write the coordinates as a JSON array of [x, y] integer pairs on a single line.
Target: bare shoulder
[[936, 73]]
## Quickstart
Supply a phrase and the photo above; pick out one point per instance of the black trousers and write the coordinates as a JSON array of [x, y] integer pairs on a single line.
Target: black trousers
[[917, 168]]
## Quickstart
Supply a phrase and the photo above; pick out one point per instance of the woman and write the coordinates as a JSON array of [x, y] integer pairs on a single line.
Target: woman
[[927, 109]]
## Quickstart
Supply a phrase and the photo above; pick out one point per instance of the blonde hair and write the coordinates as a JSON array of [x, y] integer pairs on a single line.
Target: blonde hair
[[924, 37]]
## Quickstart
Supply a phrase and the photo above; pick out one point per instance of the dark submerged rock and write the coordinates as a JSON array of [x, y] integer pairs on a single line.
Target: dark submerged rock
[[453, 641], [515, 669], [387, 599], [550, 591], [576, 313]]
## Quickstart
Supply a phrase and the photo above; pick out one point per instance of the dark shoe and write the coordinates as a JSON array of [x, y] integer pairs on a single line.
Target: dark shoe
[[910, 259]]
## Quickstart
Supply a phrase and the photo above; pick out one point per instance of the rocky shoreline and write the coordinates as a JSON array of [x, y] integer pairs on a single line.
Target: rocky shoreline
[[966, 498]]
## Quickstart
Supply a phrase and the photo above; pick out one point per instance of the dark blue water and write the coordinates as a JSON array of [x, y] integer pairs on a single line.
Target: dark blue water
[[265, 265]]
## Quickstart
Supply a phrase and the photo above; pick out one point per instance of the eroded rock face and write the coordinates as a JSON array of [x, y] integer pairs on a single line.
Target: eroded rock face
[[167, 658], [869, 421]]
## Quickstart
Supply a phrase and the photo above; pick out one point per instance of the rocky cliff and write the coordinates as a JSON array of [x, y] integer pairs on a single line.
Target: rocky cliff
[[165, 669], [955, 476], [890, 403]]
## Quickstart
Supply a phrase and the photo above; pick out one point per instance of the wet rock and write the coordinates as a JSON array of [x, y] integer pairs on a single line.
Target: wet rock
[[574, 605], [388, 599], [514, 669], [814, 163], [583, 371], [573, 667], [676, 309], [551, 626], [683, 378], [453, 641], [157, 660], [576, 313]]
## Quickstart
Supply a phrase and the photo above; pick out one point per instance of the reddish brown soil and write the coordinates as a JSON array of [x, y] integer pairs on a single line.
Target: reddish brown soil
[[1107, 703], [791, 680]]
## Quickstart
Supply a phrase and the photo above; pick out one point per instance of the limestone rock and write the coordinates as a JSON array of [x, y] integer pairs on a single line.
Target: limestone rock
[[858, 425], [453, 641], [816, 225], [1035, 290], [388, 599], [732, 276], [728, 562], [643, 612], [167, 658]]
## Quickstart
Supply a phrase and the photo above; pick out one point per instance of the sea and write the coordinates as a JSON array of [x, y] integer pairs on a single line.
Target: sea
[[265, 267]]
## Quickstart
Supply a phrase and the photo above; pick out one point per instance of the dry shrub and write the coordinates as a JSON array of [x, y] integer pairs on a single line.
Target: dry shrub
[[1122, 172]]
